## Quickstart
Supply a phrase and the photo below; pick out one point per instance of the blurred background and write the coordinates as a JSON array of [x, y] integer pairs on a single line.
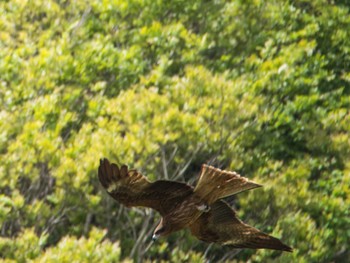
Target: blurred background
[[258, 87]]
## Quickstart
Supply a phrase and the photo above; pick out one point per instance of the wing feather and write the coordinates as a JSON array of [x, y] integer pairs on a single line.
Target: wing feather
[[131, 188], [221, 225]]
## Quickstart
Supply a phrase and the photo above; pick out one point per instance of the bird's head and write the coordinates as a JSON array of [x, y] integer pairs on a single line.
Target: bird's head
[[160, 231]]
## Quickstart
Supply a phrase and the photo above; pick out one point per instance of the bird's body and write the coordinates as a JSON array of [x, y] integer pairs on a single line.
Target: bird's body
[[184, 213], [201, 209]]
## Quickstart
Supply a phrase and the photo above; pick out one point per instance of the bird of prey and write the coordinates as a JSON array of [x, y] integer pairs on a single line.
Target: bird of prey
[[200, 208]]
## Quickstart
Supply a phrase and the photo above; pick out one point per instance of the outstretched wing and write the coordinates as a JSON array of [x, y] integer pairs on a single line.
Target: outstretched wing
[[215, 184], [221, 225], [131, 188]]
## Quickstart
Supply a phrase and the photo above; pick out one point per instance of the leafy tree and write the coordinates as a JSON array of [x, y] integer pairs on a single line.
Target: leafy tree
[[257, 87]]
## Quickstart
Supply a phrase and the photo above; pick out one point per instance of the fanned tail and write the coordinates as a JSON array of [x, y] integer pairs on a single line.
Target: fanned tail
[[215, 184]]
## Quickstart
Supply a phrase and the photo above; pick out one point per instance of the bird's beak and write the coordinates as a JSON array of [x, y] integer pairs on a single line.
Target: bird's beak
[[154, 237]]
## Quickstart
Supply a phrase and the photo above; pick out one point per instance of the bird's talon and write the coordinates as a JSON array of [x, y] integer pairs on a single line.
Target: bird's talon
[[203, 207]]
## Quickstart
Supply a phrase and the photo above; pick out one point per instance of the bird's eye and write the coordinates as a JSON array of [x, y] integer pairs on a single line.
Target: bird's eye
[[160, 230]]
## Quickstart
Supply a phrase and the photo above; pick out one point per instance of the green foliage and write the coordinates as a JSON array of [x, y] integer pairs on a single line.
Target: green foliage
[[29, 247], [262, 88]]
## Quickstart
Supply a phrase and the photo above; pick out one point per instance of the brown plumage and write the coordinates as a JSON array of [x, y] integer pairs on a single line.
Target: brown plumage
[[181, 206]]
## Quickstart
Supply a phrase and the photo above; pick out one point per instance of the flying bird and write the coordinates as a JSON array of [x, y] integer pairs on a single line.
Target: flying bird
[[199, 208]]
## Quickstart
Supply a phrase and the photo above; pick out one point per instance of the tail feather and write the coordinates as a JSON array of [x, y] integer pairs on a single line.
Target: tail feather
[[215, 184]]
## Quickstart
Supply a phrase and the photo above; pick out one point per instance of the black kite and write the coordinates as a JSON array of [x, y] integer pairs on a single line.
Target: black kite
[[200, 209]]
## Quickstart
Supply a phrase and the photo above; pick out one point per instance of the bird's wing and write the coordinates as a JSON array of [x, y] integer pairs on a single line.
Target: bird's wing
[[221, 225], [214, 184], [131, 188]]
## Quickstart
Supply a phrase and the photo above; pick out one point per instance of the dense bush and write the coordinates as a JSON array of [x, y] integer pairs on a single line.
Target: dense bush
[[259, 87]]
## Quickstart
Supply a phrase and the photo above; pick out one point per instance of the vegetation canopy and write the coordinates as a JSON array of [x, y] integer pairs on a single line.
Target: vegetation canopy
[[257, 87]]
